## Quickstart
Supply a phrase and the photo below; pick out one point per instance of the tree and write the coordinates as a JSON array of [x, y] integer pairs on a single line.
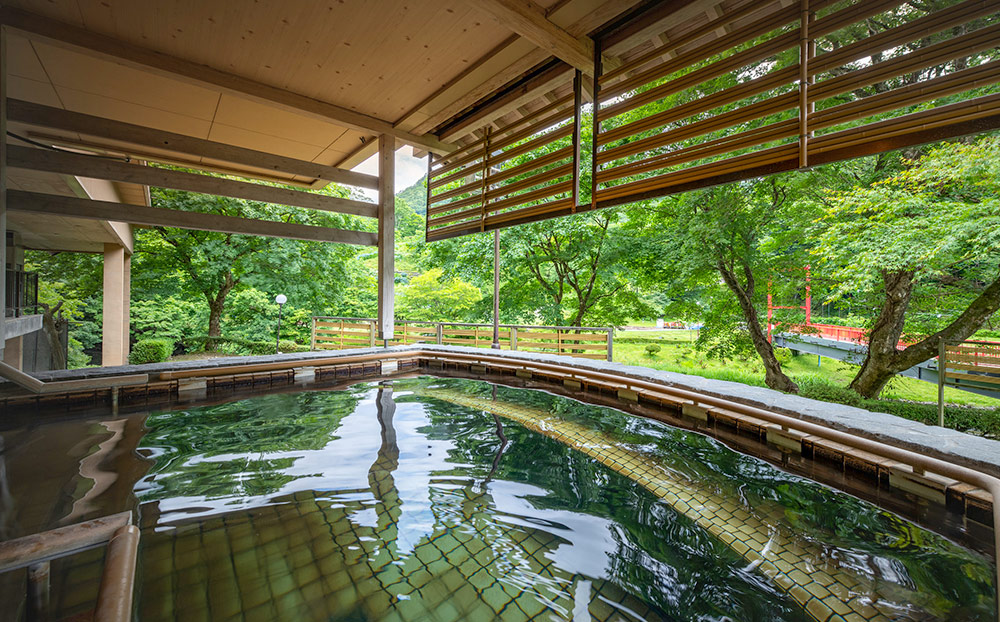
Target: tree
[[432, 296], [577, 270], [737, 236], [923, 247], [212, 265]]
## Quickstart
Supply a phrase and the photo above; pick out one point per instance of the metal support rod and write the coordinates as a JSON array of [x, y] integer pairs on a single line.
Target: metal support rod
[[942, 370], [277, 333], [496, 289]]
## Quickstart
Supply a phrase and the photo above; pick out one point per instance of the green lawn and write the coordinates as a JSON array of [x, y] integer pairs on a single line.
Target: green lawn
[[906, 397]]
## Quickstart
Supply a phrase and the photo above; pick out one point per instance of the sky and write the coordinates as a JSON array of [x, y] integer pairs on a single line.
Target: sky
[[408, 170]]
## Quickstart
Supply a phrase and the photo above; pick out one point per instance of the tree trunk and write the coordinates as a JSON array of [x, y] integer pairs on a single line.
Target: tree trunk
[[884, 360], [774, 377], [216, 305], [51, 325], [878, 368]]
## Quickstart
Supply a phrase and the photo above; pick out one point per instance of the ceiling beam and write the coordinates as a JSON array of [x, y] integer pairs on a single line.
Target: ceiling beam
[[63, 34], [527, 19], [73, 207], [57, 118], [116, 170]]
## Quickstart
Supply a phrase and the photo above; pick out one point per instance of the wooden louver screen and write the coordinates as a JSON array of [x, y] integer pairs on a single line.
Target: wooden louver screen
[[517, 173], [816, 82], [764, 87]]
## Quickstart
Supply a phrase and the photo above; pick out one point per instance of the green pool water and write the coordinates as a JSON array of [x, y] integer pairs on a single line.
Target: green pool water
[[445, 499]]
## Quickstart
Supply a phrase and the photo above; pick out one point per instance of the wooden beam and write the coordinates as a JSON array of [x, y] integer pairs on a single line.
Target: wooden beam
[[102, 168], [386, 236], [527, 19], [35, 203], [492, 110], [66, 35], [57, 118]]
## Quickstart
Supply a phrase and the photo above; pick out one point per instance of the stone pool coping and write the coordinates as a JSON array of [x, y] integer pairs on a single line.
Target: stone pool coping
[[944, 443]]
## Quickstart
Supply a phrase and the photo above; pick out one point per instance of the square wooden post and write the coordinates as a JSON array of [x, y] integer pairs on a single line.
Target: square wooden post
[[117, 286], [386, 236]]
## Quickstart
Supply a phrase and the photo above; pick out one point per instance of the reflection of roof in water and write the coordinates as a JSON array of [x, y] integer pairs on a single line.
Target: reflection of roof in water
[[796, 565]]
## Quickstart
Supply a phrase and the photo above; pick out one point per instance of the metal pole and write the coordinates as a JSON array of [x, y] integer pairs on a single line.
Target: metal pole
[[942, 369], [496, 289], [277, 336]]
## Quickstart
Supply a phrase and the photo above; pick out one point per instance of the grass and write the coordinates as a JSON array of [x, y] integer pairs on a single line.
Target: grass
[[906, 397]]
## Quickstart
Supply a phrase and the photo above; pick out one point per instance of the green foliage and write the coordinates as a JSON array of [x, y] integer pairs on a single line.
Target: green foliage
[[938, 218], [287, 345], [151, 351], [172, 317], [435, 297], [652, 349], [784, 355]]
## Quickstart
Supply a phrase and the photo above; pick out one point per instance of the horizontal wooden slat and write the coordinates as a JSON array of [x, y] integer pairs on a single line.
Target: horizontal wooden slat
[[723, 121], [583, 346], [973, 378], [766, 156], [738, 36], [992, 368], [534, 195], [699, 76], [744, 90], [531, 165], [719, 146], [950, 84], [910, 31], [725, 19], [529, 182], [957, 47], [584, 337]]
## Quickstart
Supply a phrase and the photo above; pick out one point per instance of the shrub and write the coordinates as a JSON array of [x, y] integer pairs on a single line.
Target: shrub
[[287, 345], [652, 349], [151, 351], [784, 355]]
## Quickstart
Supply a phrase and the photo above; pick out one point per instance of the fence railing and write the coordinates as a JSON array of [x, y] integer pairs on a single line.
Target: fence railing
[[967, 364], [22, 293], [339, 333]]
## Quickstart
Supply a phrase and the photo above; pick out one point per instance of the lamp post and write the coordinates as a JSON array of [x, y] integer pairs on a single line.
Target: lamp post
[[281, 299]]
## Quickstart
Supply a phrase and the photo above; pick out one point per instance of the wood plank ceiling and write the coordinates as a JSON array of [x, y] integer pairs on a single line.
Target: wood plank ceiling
[[415, 66]]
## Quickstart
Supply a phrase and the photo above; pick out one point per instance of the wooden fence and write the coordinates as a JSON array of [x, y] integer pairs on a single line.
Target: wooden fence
[[967, 364], [339, 333]]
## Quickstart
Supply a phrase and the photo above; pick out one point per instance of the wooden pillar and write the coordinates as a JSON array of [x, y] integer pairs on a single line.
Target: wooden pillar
[[3, 182], [386, 236], [117, 292]]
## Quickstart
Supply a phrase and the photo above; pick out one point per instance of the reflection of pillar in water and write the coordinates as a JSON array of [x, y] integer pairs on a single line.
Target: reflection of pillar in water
[[114, 467], [380, 478]]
